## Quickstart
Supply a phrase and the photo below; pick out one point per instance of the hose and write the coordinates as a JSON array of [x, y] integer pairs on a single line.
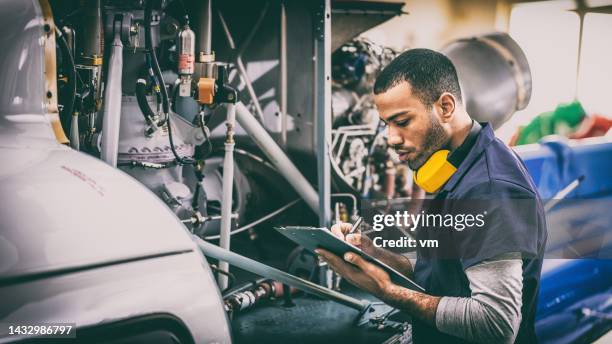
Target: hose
[[258, 221], [153, 55], [202, 126], [153, 79], [231, 277], [164, 92], [180, 160], [270, 215], [143, 104]]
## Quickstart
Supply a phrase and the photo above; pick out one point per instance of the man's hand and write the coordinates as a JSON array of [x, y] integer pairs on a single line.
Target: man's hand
[[376, 281], [396, 261], [359, 272]]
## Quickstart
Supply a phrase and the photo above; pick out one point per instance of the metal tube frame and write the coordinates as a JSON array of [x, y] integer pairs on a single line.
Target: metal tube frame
[[322, 54], [226, 199], [322, 87], [264, 270], [238, 57], [282, 99], [277, 156], [322, 106]]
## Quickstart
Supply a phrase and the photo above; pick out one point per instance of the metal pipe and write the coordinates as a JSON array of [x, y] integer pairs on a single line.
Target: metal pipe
[[354, 132], [241, 68], [355, 127], [74, 131], [263, 270], [256, 222], [277, 156], [205, 27], [226, 199], [251, 35], [249, 86], [351, 196], [89, 41], [322, 53], [112, 104], [283, 73]]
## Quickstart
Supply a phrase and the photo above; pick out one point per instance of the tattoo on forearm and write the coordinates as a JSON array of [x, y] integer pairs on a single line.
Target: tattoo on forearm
[[419, 305]]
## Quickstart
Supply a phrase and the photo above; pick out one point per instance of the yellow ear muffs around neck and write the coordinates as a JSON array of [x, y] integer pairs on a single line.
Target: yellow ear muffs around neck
[[436, 171]]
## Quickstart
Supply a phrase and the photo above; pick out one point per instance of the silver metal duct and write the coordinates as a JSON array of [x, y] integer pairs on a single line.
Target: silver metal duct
[[494, 76]]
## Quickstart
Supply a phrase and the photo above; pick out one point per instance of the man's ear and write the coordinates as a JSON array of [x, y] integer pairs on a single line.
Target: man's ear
[[446, 105]]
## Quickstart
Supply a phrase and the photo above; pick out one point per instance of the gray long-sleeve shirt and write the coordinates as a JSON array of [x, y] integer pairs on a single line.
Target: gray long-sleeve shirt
[[493, 311]]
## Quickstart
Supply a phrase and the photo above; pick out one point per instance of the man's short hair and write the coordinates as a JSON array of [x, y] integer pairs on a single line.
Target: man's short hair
[[428, 72]]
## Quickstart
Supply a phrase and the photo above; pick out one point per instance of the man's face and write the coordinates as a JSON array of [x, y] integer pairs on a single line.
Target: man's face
[[414, 129]]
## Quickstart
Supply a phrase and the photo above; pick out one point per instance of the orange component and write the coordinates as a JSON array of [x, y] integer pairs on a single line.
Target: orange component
[[50, 101], [96, 60], [206, 90]]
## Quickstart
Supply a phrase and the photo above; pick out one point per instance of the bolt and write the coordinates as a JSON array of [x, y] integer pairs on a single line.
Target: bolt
[[134, 29], [171, 28]]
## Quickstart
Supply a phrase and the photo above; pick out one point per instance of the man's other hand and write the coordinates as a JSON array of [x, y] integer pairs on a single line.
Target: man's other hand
[[359, 272], [376, 281]]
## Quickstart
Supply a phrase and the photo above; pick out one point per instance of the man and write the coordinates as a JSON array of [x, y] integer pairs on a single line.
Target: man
[[489, 296]]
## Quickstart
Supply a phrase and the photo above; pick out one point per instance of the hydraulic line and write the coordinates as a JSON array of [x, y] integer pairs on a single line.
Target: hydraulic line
[[202, 126], [180, 160], [251, 296], [164, 92], [258, 221], [227, 186], [229, 275], [143, 104], [214, 251], [154, 63], [155, 84]]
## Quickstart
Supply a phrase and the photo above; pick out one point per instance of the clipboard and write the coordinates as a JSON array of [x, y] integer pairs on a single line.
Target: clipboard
[[313, 238]]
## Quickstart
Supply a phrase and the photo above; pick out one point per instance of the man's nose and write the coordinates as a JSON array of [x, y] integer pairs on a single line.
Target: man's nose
[[394, 137]]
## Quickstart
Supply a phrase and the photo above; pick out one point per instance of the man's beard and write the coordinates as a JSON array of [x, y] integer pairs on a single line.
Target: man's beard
[[435, 139]]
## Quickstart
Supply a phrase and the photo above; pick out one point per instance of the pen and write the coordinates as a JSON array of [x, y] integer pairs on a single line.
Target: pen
[[356, 225]]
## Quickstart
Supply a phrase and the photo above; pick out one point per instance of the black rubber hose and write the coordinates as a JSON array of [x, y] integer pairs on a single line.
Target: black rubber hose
[[178, 158], [153, 55], [67, 56], [206, 137], [143, 104], [164, 92]]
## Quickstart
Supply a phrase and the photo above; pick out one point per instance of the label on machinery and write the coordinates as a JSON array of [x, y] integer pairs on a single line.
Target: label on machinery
[[186, 63]]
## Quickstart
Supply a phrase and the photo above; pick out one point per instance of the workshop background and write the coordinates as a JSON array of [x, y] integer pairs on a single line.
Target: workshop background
[[151, 147]]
